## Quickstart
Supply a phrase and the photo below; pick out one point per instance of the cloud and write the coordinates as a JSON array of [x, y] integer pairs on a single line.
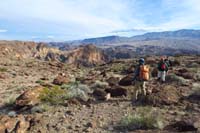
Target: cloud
[[3, 30], [50, 36], [75, 19]]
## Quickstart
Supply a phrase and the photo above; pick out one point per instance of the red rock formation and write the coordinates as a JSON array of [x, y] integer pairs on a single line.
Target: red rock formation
[[87, 55]]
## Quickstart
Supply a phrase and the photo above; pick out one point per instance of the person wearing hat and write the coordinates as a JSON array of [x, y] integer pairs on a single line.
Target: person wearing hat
[[140, 82]]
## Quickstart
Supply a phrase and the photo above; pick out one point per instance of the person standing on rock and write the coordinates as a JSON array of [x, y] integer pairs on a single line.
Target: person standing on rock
[[162, 69], [141, 75]]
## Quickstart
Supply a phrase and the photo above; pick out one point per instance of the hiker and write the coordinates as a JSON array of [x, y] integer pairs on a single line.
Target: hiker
[[141, 75], [168, 63], [162, 69]]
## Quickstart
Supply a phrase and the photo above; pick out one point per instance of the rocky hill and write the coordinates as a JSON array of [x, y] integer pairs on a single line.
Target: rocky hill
[[22, 50], [88, 55], [181, 34]]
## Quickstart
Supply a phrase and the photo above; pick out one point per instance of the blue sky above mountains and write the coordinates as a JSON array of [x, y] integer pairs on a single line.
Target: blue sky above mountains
[[58, 20]]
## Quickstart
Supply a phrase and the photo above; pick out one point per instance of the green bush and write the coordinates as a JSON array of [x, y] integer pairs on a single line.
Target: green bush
[[118, 67], [3, 69], [59, 94], [54, 95], [143, 118], [39, 82]]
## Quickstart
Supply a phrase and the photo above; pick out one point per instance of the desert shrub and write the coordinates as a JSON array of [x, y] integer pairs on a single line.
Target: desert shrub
[[197, 76], [99, 84], [196, 89], [3, 69], [177, 79], [39, 81], [143, 118], [40, 108], [193, 65], [77, 90], [10, 101], [54, 95], [118, 68]]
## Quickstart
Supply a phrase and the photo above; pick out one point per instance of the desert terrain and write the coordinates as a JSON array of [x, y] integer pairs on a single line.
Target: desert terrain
[[45, 90]]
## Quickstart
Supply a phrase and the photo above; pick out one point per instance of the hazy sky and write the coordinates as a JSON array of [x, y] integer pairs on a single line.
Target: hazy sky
[[58, 20]]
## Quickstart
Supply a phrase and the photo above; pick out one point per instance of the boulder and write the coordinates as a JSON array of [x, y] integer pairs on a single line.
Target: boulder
[[175, 63], [29, 97], [182, 70], [151, 61], [116, 91], [165, 96], [113, 81], [181, 126], [61, 79], [100, 94], [126, 81], [130, 70], [14, 124], [185, 75]]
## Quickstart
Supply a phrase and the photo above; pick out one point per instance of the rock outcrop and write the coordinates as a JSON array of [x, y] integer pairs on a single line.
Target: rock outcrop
[[88, 55], [166, 96], [61, 79], [29, 97]]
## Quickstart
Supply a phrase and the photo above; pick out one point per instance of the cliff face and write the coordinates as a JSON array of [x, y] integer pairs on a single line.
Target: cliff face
[[88, 55], [22, 50]]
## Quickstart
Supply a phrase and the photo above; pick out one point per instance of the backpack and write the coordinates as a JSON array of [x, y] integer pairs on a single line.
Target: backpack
[[144, 72], [163, 66]]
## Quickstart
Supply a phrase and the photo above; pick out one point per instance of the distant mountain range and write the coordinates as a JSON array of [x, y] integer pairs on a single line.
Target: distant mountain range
[[179, 34], [183, 41]]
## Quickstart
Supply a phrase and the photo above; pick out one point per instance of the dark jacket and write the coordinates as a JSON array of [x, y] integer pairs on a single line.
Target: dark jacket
[[160, 64]]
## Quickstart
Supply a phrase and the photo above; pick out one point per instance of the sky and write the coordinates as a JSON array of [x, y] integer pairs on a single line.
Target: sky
[[62, 20]]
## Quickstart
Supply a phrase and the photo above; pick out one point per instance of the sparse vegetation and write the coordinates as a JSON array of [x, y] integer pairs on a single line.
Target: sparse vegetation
[[10, 101], [143, 118], [75, 89], [118, 67], [193, 65], [54, 95], [39, 82], [99, 84], [177, 79], [59, 94], [196, 89], [3, 69], [90, 99], [40, 108]]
